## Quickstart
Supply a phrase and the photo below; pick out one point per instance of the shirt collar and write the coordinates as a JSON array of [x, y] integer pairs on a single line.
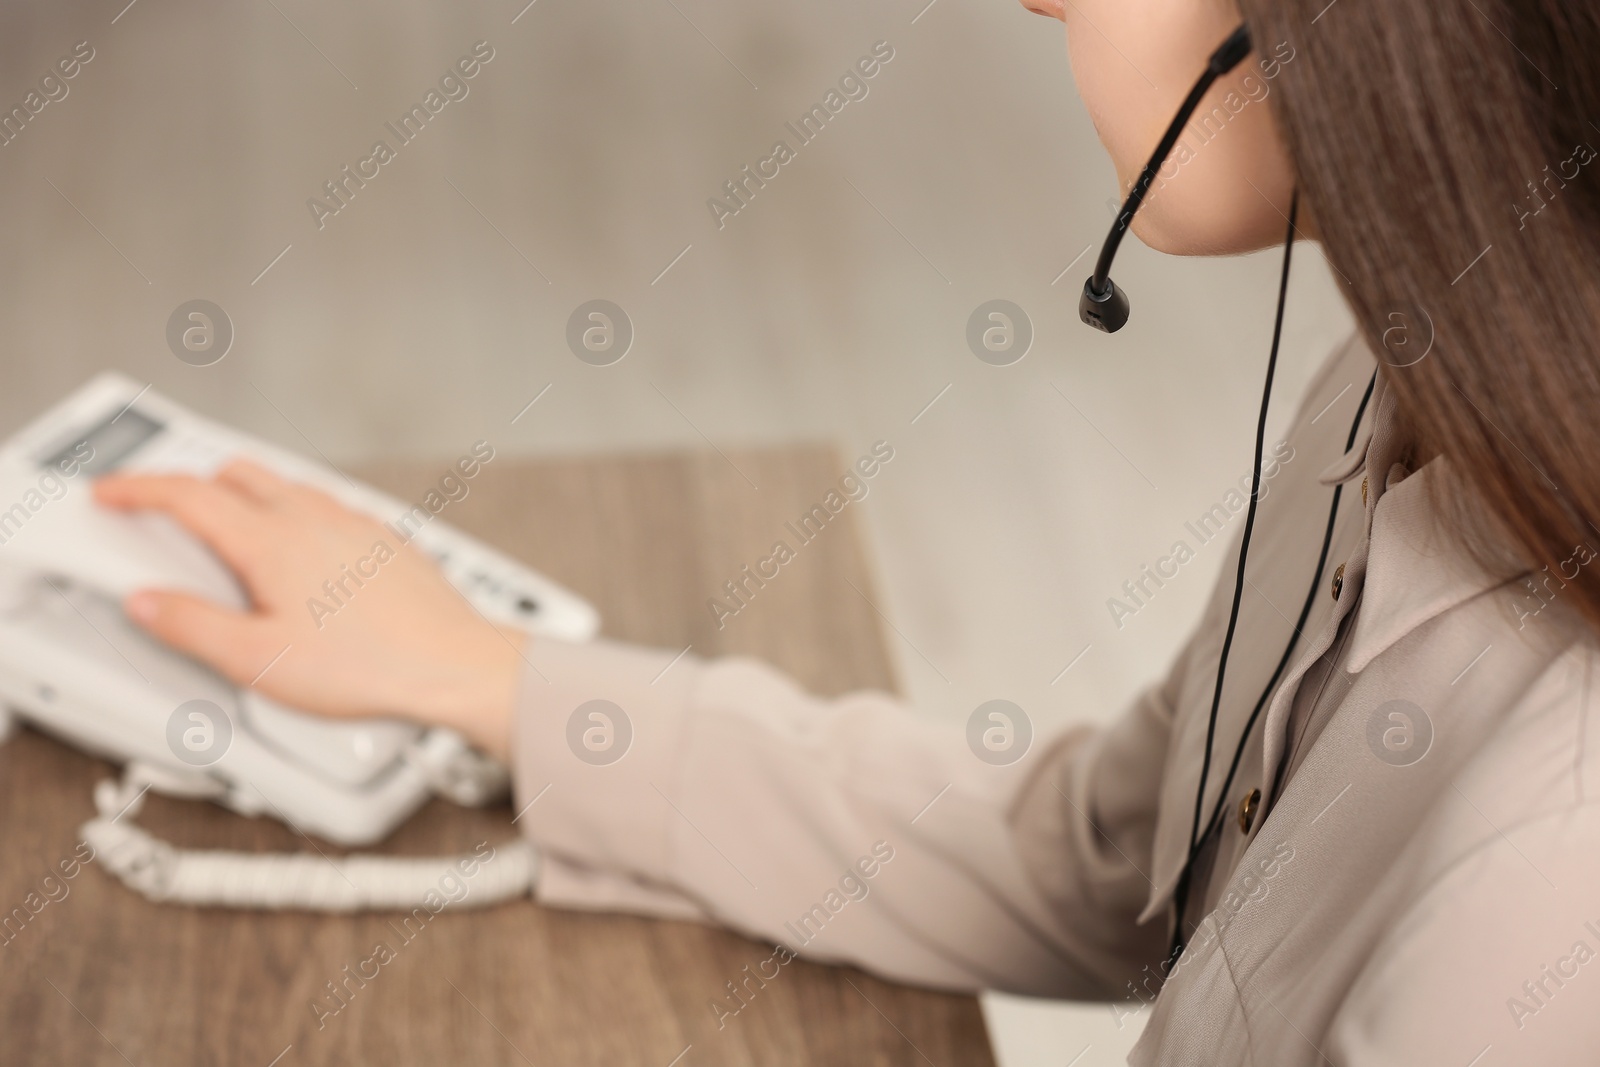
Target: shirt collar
[[1415, 570]]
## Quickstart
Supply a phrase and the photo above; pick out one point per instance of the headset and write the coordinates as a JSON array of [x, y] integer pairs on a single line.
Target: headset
[[1105, 307]]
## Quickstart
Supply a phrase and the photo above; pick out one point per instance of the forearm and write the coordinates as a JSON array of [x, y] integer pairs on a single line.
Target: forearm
[[762, 803]]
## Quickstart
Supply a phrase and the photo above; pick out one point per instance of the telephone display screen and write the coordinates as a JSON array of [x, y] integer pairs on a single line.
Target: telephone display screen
[[112, 440]]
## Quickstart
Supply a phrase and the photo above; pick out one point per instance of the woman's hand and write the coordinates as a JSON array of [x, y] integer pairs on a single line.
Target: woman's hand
[[365, 624]]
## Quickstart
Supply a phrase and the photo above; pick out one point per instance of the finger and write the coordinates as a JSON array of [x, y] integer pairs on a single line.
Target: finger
[[130, 491], [233, 642], [226, 521]]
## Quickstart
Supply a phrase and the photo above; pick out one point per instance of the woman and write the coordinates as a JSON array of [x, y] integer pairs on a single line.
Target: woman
[[1372, 840]]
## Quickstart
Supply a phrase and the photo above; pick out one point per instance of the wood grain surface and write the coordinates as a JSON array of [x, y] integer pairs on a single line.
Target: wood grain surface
[[100, 976]]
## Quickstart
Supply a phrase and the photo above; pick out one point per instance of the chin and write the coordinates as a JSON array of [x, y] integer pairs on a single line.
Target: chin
[[1224, 200], [1178, 228]]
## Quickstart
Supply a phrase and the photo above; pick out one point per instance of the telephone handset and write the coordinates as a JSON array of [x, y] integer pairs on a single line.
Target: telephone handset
[[73, 665]]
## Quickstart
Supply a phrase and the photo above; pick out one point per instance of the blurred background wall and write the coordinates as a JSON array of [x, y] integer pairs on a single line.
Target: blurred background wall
[[433, 306]]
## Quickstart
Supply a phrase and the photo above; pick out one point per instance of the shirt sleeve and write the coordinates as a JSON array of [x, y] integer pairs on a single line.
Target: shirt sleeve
[[845, 829]]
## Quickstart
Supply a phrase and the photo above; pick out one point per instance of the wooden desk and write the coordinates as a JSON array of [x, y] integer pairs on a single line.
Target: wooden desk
[[103, 977]]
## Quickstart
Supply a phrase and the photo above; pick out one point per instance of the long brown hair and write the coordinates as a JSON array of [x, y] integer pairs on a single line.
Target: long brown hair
[[1445, 150]]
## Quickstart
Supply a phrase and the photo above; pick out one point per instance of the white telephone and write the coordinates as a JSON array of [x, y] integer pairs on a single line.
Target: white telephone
[[74, 666]]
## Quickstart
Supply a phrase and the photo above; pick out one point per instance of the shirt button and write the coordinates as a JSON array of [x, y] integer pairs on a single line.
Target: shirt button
[[1338, 581], [1247, 810], [1363, 491]]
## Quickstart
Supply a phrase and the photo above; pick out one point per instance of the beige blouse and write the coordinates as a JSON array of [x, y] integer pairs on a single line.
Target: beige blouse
[[1417, 881]]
